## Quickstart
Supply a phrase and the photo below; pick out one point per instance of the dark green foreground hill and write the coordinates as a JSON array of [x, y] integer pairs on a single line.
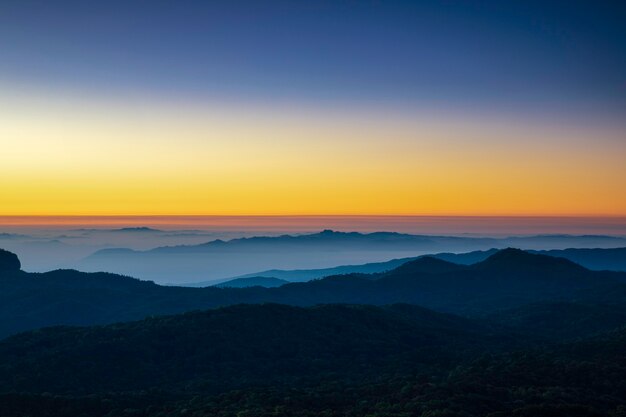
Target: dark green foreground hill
[[276, 360], [233, 347]]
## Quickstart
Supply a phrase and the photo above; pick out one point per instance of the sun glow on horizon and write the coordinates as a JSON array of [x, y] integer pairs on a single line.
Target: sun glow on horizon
[[109, 158]]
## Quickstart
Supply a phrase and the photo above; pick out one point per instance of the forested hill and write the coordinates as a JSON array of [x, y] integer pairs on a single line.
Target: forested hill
[[233, 347], [334, 360]]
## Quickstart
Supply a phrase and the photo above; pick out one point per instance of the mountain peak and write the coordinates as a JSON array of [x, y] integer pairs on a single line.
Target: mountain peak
[[517, 259], [429, 265], [511, 254], [136, 229], [9, 262]]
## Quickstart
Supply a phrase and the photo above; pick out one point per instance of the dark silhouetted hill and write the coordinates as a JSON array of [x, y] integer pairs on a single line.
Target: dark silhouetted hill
[[9, 262], [334, 360], [233, 347], [516, 260], [427, 265], [560, 321]]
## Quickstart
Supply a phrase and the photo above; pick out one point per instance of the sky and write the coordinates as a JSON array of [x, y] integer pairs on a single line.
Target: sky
[[313, 108]]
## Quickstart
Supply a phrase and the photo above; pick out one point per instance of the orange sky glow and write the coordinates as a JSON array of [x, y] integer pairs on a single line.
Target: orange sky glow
[[91, 157]]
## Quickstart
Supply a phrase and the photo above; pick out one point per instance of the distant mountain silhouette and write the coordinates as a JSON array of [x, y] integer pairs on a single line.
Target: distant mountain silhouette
[[611, 259], [516, 260], [220, 260], [267, 282], [465, 258], [138, 229], [363, 240], [594, 259], [303, 275], [115, 251], [141, 229], [507, 279], [10, 236], [326, 238]]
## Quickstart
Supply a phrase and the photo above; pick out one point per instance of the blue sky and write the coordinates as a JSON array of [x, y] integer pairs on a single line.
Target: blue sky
[[562, 57]]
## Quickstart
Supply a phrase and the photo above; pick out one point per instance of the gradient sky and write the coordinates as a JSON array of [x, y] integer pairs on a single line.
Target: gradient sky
[[344, 107]]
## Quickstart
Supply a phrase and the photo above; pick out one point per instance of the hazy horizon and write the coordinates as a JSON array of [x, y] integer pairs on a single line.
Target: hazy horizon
[[51, 242], [416, 224]]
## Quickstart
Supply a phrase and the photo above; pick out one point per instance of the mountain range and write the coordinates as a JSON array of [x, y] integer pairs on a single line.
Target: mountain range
[[595, 259], [506, 279], [218, 259]]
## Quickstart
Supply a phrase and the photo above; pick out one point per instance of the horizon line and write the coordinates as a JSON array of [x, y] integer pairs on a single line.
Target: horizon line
[[396, 215]]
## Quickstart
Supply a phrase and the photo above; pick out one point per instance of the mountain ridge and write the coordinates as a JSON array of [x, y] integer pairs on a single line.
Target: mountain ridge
[[266, 282], [78, 298], [598, 259], [329, 234], [221, 259]]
